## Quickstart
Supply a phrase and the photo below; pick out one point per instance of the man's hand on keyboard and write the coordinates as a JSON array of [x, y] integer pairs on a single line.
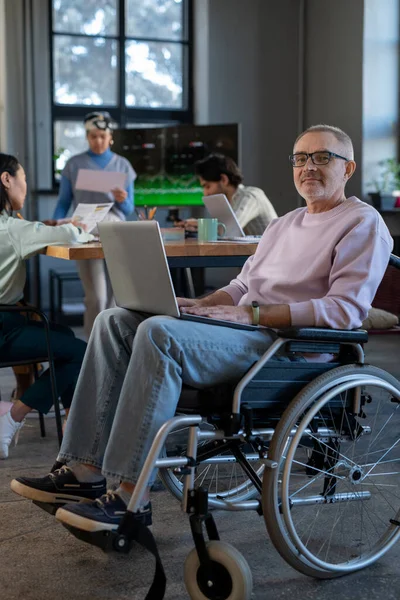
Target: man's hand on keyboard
[[239, 314], [186, 302]]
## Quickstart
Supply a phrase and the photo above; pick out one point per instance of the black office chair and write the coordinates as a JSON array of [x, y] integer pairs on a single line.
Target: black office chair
[[35, 360]]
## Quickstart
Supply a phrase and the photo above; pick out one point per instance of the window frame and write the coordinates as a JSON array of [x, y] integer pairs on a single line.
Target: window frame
[[122, 113]]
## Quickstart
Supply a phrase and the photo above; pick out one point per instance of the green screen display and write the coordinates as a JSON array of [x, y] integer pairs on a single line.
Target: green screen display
[[164, 158]]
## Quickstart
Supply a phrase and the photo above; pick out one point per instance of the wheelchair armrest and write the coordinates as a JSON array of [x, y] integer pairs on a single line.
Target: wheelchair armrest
[[394, 261], [189, 399], [320, 334]]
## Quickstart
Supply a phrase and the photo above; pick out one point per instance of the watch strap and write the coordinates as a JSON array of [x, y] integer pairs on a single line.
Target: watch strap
[[255, 307]]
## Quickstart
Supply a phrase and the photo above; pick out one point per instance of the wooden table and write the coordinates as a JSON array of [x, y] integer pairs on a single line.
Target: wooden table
[[186, 254]]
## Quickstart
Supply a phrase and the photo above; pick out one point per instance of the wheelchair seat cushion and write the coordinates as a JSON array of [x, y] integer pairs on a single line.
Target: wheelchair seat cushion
[[273, 387]]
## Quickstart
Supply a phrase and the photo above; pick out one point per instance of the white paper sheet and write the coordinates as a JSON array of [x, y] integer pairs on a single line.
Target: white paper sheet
[[90, 214], [99, 181]]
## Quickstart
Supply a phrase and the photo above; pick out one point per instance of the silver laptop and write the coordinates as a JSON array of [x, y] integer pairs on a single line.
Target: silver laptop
[[219, 208], [139, 272]]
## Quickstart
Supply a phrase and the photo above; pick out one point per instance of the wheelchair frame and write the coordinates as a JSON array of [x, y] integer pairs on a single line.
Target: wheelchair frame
[[201, 563], [210, 562], [192, 421]]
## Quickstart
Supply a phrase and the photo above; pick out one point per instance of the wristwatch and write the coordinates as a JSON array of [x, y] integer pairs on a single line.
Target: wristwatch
[[255, 307]]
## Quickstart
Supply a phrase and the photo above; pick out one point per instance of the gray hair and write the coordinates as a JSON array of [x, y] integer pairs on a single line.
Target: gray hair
[[339, 134]]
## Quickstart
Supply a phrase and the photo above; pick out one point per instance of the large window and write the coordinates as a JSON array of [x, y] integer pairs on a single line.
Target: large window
[[130, 57]]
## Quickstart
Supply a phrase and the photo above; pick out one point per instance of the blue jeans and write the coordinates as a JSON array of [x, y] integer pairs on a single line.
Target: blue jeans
[[132, 377]]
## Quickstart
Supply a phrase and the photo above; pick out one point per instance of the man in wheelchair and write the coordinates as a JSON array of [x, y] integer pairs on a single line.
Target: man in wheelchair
[[317, 266]]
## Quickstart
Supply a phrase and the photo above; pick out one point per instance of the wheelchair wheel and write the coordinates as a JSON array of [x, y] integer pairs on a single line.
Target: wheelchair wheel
[[231, 577], [221, 474], [332, 505]]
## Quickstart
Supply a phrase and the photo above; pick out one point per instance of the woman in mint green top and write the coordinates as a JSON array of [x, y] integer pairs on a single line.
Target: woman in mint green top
[[20, 338]]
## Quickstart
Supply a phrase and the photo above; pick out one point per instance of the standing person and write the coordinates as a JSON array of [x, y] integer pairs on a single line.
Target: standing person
[[220, 174], [317, 266], [93, 274], [21, 338]]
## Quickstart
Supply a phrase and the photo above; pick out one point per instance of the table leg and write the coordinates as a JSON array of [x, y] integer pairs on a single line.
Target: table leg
[[189, 283]]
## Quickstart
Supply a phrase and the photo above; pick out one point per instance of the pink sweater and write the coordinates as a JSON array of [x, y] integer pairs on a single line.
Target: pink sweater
[[326, 266]]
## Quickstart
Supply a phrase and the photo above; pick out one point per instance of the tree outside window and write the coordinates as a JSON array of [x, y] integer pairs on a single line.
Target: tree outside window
[[130, 57]]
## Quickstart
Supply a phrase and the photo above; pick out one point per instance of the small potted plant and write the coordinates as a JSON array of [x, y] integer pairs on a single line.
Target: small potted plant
[[386, 184], [56, 161]]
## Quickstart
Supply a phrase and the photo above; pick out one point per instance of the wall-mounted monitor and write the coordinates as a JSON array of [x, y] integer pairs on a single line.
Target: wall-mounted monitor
[[164, 157]]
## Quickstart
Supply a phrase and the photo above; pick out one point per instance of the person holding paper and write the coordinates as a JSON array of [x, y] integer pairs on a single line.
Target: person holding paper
[[78, 187], [21, 338]]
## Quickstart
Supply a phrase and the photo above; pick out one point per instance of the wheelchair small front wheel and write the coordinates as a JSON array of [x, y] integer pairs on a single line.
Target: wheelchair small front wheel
[[229, 578]]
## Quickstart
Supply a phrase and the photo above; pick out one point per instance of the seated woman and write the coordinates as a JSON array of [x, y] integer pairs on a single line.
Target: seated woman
[[21, 338]]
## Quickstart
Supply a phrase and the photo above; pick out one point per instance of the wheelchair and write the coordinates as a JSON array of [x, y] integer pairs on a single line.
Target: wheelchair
[[313, 447]]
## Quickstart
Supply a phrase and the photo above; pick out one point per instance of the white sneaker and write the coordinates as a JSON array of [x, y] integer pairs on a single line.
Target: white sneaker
[[8, 429]]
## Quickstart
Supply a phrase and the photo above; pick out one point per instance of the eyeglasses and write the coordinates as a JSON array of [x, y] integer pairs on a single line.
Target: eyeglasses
[[318, 158]]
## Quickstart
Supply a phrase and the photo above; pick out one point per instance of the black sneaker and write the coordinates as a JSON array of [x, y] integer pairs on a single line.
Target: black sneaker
[[105, 513], [59, 487]]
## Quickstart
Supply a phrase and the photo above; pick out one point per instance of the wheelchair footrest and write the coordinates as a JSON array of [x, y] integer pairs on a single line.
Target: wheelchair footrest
[[102, 539], [47, 506], [130, 530]]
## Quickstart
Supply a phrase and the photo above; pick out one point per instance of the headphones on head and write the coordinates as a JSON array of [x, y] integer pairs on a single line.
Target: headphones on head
[[99, 120]]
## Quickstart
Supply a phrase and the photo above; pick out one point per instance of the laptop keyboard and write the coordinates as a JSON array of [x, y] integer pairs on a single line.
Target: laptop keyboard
[[253, 239]]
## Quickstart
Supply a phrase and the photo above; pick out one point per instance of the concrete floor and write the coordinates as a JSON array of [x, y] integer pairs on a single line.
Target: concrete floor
[[40, 560]]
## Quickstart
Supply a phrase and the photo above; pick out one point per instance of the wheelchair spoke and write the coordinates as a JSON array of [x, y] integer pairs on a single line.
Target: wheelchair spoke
[[218, 470], [361, 456], [386, 492], [382, 475], [327, 446], [318, 470], [382, 428], [203, 476], [379, 461], [306, 485], [338, 504]]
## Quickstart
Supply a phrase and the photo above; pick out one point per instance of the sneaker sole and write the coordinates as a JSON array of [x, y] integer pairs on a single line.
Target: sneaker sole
[[41, 496], [73, 520]]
